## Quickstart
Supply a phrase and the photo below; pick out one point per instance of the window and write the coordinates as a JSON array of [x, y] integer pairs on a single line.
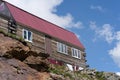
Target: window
[[62, 48], [76, 53], [27, 35]]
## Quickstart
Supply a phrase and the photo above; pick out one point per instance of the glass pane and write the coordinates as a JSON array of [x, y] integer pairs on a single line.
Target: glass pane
[[75, 53], [58, 47], [25, 34], [79, 54], [29, 36], [66, 50], [63, 48]]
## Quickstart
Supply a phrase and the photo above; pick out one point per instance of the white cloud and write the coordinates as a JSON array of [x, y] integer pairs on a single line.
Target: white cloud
[[105, 31], [115, 53], [47, 9], [78, 25], [118, 73], [117, 35], [108, 34], [99, 8], [93, 25]]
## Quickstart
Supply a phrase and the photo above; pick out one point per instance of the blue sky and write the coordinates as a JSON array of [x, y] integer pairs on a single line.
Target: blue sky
[[95, 22], [105, 16]]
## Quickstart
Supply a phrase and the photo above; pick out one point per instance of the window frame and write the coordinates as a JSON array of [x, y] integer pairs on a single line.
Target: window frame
[[76, 53], [28, 38], [62, 48]]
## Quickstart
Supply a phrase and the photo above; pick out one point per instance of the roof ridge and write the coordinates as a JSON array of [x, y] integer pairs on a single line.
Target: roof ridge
[[38, 17]]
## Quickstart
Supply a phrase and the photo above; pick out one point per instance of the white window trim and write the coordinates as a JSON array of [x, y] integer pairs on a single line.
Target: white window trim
[[78, 52], [27, 35], [60, 45]]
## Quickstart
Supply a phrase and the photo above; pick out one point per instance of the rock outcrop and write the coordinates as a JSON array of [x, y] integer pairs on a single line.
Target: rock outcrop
[[12, 69], [8, 44], [19, 62]]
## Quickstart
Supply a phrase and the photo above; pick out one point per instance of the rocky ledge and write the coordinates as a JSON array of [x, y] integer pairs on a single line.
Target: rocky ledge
[[19, 62]]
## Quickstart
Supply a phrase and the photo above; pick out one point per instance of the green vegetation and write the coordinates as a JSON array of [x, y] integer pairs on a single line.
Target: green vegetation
[[76, 75], [61, 70], [57, 69], [1, 31], [100, 75]]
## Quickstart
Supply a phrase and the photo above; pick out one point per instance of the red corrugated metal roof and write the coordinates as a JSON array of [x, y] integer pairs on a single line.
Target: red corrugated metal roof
[[44, 26]]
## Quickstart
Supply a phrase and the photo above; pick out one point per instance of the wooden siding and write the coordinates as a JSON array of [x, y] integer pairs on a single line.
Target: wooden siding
[[67, 58], [3, 24], [39, 43], [38, 40]]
